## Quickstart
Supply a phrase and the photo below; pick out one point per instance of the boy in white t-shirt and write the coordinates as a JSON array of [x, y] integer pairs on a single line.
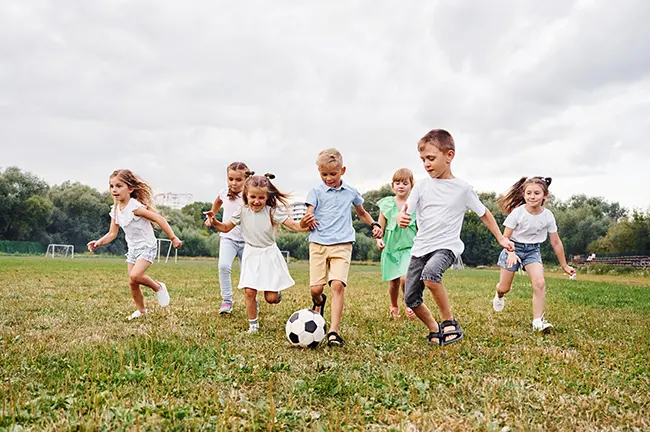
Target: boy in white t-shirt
[[440, 203], [527, 225]]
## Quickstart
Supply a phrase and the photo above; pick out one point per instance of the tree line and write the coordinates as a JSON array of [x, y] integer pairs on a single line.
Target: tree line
[[74, 213]]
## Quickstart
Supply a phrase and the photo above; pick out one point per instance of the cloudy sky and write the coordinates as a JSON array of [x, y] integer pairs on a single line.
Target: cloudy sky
[[177, 90]]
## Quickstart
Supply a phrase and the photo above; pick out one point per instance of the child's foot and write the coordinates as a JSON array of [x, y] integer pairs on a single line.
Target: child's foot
[[394, 312], [410, 313], [541, 325], [320, 306], [162, 295], [253, 326], [137, 314], [498, 303], [334, 339], [451, 332], [253, 330], [226, 308]]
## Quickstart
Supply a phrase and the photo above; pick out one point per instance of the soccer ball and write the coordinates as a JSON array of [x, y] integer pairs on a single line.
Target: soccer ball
[[305, 328]]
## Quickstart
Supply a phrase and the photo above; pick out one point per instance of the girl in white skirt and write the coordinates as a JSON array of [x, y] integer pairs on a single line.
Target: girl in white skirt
[[263, 267]]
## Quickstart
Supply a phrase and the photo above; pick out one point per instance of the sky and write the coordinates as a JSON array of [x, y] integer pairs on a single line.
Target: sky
[[175, 91]]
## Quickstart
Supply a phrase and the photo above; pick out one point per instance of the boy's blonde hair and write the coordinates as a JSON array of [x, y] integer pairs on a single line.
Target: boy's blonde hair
[[439, 138], [403, 175], [329, 156]]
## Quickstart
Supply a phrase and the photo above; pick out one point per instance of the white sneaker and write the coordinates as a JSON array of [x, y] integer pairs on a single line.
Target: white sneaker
[[137, 314], [162, 295], [498, 303], [253, 330], [225, 308], [541, 325]]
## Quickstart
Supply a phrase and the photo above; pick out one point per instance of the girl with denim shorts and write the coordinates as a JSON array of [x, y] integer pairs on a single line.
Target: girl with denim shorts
[[527, 225], [133, 212]]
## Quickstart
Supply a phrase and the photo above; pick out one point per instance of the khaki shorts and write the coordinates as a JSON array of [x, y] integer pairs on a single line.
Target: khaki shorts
[[328, 263]]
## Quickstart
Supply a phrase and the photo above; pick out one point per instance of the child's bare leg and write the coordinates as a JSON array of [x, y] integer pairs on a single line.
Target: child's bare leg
[[393, 291], [409, 312], [250, 295], [136, 292], [536, 273], [425, 316], [136, 274], [440, 296], [505, 282], [271, 296], [338, 294], [316, 291]]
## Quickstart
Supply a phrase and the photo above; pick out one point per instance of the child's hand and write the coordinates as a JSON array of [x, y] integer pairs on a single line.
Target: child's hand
[[92, 245], [506, 244], [176, 242], [380, 244], [512, 259], [308, 221], [569, 270], [209, 216], [377, 232], [403, 220], [207, 222]]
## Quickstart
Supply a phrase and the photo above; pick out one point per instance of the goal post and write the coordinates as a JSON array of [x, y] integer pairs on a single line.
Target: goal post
[[53, 250], [169, 249], [286, 255]]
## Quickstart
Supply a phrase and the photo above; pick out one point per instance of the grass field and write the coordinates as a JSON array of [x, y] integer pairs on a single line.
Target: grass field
[[71, 360]]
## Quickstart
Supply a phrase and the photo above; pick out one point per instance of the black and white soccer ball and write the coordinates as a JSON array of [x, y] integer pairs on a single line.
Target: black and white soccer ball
[[305, 328]]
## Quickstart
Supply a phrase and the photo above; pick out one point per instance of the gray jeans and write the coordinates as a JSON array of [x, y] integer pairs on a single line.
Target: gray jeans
[[427, 267]]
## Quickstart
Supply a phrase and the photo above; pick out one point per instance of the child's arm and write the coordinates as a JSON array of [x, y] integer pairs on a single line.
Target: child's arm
[[220, 226], [109, 237], [303, 225], [216, 205], [512, 256], [310, 211], [382, 224], [491, 224], [162, 223], [365, 217], [558, 248]]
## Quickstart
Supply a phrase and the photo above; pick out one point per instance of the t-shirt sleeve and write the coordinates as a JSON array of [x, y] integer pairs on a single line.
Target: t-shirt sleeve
[[312, 198], [512, 220], [279, 215], [358, 199], [412, 200], [384, 205], [474, 203], [552, 225], [236, 217], [223, 195], [112, 212]]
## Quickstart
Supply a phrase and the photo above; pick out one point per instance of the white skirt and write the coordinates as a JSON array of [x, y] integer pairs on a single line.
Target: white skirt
[[264, 269]]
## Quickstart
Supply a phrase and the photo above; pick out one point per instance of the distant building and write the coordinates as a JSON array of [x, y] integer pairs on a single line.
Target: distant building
[[173, 200], [298, 210]]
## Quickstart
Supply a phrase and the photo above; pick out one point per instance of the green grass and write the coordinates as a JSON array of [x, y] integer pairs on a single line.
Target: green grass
[[71, 361]]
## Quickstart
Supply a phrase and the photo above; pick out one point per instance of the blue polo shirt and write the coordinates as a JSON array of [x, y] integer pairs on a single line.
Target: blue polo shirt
[[333, 213]]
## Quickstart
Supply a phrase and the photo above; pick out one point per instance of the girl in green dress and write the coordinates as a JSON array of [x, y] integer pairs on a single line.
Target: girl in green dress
[[396, 245]]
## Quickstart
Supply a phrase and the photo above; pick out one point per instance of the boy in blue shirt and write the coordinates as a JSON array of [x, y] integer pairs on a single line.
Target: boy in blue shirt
[[332, 236]]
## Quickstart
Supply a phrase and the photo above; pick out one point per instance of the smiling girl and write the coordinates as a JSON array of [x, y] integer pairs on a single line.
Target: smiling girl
[[263, 267], [527, 225], [132, 211]]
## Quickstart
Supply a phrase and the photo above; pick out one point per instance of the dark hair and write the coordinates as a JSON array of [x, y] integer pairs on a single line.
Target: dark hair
[[141, 190], [439, 138], [238, 166], [275, 197], [515, 195]]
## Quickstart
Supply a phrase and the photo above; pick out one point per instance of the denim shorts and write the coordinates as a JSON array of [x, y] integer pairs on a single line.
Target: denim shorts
[[528, 253], [147, 253], [427, 267]]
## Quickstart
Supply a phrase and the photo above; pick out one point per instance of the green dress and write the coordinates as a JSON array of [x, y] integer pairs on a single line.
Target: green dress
[[396, 255]]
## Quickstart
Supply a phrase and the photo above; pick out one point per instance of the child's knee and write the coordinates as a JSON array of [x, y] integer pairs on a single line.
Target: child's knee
[[271, 297], [337, 287], [134, 279], [250, 293], [433, 286], [316, 290], [539, 284]]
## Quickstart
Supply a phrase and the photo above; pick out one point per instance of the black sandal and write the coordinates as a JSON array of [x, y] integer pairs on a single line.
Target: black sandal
[[320, 305], [457, 331], [437, 336], [334, 339]]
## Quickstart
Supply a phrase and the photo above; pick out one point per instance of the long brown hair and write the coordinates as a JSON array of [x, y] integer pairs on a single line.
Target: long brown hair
[[275, 197], [141, 190], [515, 195], [238, 166]]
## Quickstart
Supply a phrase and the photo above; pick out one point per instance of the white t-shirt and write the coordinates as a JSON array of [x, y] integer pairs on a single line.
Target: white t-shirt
[[256, 226], [441, 205], [529, 228], [138, 230], [229, 208]]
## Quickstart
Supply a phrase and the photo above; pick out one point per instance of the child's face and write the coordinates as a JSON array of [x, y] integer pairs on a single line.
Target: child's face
[[402, 188], [436, 163], [257, 198], [534, 195], [236, 180], [331, 174], [120, 190]]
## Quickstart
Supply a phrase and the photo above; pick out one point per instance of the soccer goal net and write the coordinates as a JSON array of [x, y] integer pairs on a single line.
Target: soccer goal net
[[286, 255], [59, 250], [168, 243]]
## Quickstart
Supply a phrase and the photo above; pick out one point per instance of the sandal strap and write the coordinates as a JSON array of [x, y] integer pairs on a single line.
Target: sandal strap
[[447, 323], [333, 338]]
